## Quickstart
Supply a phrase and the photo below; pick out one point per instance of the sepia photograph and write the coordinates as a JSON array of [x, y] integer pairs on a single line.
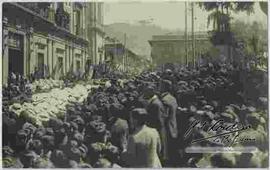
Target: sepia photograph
[[134, 84]]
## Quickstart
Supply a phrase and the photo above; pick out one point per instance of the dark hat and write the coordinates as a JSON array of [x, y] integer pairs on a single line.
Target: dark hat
[[79, 120], [29, 126], [75, 154], [150, 86], [55, 123], [36, 145], [22, 133], [97, 118], [115, 108], [74, 125], [84, 150], [27, 154], [48, 140], [166, 83]]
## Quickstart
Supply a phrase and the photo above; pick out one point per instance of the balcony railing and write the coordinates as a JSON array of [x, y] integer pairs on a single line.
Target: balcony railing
[[62, 18]]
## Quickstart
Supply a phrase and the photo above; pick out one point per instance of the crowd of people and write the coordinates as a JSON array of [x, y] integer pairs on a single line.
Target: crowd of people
[[143, 122], [17, 90]]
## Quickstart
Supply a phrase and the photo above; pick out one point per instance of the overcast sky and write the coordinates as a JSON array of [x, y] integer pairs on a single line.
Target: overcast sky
[[170, 15]]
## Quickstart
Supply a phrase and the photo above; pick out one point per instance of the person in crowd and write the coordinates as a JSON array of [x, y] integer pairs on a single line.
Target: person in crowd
[[171, 106], [144, 144], [106, 130], [157, 118]]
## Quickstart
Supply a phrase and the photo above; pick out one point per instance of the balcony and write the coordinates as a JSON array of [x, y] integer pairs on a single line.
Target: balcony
[[41, 8], [62, 18]]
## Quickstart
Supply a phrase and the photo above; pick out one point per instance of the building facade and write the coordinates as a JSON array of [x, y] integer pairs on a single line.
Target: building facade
[[49, 37], [95, 29], [171, 48], [119, 57]]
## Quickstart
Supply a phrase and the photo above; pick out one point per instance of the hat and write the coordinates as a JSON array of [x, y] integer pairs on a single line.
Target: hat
[[22, 133], [97, 118], [73, 143], [84, 150], [138, 112], [48, 140], [49, 131], [78, 137], [74, 154], [58, 157], [210, 114], [208, 107], [79, 120], [193, 108], [166, 83], [251, 109], [227, 117], [7, 151], [55, 123]]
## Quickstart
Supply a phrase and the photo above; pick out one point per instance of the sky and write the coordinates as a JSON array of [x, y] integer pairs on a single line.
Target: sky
[[169, 15]]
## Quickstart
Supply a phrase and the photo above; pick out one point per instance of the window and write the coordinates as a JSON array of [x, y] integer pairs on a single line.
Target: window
[[41, 64], [78, 22], [60, 64], [78, 65]]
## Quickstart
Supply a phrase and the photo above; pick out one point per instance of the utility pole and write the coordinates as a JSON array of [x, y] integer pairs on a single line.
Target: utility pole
[[186, 52], [124, 56], [192, 29]]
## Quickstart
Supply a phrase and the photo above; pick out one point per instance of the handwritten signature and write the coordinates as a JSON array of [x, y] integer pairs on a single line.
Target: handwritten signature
[[228, 131]]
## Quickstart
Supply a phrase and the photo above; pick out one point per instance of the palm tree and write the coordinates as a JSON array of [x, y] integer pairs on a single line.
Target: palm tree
[[220, 15]]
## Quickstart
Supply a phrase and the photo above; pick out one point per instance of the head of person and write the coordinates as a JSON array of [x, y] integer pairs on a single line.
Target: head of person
[[139, 117], [149, 90], [27, 158], [223, 160], [165, 86]]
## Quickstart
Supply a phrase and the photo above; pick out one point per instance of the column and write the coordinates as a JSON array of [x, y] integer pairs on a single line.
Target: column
[[32, 59], [73, 59], [83, 60], [5, 53], [49, 54], [67, 59]]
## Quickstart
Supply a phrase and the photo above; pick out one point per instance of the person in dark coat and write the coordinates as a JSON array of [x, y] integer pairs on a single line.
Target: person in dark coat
[[171, 106], [156, 118]]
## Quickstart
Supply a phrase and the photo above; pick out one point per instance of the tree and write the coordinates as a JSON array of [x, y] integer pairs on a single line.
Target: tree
[[220, 16], [220, 12]]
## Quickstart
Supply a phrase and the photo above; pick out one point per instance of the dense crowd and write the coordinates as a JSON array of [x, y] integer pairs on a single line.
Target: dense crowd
[[142, 122]]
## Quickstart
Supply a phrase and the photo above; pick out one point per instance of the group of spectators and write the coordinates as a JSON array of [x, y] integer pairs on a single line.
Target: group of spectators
[[142, 122], [18, 89]]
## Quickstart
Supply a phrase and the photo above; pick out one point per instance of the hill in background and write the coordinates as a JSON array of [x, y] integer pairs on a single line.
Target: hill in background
[[137, 35]]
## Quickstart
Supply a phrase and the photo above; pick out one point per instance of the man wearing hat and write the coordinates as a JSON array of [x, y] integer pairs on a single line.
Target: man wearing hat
[[157, 117], [171, 106], [144, 145]]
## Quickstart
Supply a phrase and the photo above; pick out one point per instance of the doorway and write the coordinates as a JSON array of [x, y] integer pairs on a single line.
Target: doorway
[[15, 61]]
